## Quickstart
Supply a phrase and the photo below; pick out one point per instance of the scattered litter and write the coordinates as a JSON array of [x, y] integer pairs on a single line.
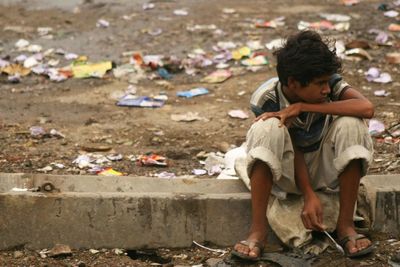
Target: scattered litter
[[97, 70], [391, 13], [147, 6], [376, 128], [393, 58], [335, 17], [94, 251], [280, 21], [119, 251], [166, 175], [181, 12], [109, 172], [211, 249], [374, 75], [381, 93], [151, 160], [45, 169], [214, 164], [358, 52], [275, 44], [140, 101], [237, 113], [217, 76], [241, 52], [37, 131], [199, 172], [394, 27], [193, 92], [21, 43], [258, 60], [102, 23], [13, 69], [188, 117]]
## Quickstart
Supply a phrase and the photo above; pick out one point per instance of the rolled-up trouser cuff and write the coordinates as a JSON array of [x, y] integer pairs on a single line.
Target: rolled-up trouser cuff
[[265, 155], [352, 153]]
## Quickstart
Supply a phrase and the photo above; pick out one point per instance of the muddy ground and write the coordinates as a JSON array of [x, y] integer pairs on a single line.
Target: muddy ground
[[84, 110]]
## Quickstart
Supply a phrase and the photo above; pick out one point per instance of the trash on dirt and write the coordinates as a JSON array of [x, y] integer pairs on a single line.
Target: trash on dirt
[[335, 17], [217, 76], [391, 13], [237, 113], [181, 12], [323, 25], [151, 160], [114, 157], [374, 75], [275, 44], [193, 92], [163, 72], [225, 46], [97, 70], [241, 52], [228, 10], [166, 175], [211, 249], [60, 250], [140, 101], [358, 44], [393, 58], [359, 53], [381, 38], [124, 70], [43, 253], [214, 163], [13, 69], [383, 93], [394, 27], [199, 172], [109, 172], [45, 169], [256, 60], [280, 21], [57, 165], [55, 133], [22, 43], [350, 2], [102, 23], [94, 251], [147, 6], [118, 251], [37, 131], [70, 56], [188, 117], [376, 128]]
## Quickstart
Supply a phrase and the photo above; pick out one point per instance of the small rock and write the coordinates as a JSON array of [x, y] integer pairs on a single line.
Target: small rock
[[18, 254], [94, 251], [60, 250]]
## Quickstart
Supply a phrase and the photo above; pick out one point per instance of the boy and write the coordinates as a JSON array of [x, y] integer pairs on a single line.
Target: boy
[[309, 136]]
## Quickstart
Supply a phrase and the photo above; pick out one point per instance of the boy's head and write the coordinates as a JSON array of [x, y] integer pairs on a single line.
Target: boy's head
[[305, 57]]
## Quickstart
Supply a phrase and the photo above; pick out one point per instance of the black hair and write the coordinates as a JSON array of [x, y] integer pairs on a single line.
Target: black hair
[[305, 56]]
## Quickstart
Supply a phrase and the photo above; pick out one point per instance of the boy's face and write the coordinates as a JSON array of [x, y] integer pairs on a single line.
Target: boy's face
[[316, 91]]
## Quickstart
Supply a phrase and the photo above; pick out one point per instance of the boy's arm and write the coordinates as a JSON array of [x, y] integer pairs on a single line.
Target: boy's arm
[[351, 103], [312, 210]]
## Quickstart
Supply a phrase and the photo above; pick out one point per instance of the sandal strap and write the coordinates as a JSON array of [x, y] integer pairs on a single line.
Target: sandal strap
[[352, 238], [252, 244]]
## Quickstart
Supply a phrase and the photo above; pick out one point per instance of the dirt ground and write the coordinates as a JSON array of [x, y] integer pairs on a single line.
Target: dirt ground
[[85, 111]]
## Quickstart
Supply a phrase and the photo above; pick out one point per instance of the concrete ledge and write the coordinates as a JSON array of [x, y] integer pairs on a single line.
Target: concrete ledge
[[83, 212], [139, 212]]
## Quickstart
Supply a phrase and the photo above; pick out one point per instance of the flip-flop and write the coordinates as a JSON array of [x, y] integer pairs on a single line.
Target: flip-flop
[[251, 245], [354, 238]]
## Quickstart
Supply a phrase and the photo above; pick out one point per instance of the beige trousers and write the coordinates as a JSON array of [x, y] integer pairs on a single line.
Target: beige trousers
[[347, 139]]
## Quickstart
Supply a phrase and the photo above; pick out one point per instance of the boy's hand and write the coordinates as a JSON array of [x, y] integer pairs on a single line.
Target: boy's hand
[[312, 213], [285, 115]]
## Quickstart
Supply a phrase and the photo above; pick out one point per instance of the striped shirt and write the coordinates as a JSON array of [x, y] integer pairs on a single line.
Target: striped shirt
[[308, 129]]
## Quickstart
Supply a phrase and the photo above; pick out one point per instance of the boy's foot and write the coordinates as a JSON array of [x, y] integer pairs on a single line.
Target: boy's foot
[[354, 244], [250, 249]]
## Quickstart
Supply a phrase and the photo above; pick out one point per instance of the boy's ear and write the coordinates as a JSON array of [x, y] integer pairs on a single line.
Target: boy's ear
[[293, 84]]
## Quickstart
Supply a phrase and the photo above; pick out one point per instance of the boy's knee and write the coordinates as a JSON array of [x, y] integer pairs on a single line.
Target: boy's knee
[[268, 126], [351, 125]]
